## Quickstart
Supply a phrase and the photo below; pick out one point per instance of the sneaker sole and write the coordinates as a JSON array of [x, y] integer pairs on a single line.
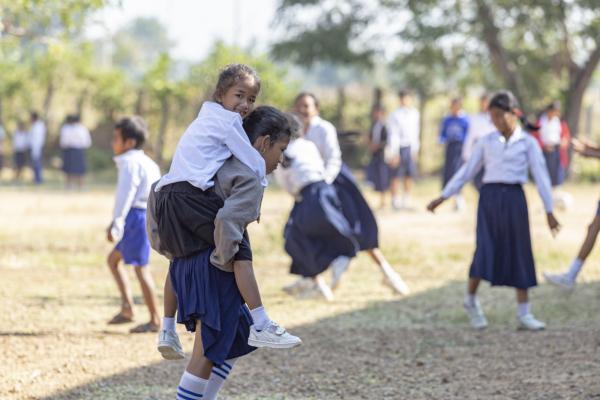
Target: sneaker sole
[[168, 353], [258, 343], [524, 328]]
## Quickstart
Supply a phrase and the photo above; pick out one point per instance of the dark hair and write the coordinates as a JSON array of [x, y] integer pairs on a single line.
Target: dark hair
[[555, 105], [307, 94], [456, 100], [378, 108], [403, 93], [133, 128], [232, 74], [296, 125], [34, 115], [504, 100], [267, 121]]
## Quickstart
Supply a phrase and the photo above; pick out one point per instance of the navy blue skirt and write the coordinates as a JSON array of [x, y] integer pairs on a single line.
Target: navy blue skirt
[[74, 161], [555, 169], [503, 255], [317, 232], [356, 210], [453, 160], [134, 245], [210, 295], [20, 159], [378, 173]]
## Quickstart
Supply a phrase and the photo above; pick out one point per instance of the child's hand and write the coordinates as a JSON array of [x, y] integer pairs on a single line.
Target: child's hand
[[553, 224], [579, 146], [434, 204], [109, 236]]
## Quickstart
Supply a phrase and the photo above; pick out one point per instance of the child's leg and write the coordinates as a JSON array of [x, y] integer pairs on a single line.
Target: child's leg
[[589, 242], [149, 292], [170, 300], [217, 378], [473, 285], [195, 378], [391, 276], [248, 287], [526, 319], [122, 283], [169, 345], [522, 302]]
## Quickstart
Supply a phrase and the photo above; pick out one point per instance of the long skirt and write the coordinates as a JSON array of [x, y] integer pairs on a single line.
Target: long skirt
[[317, 232], [356, 210], [503, 255], [378, 173], [74, 161], [210, 295], [555, 169], [453, 160]]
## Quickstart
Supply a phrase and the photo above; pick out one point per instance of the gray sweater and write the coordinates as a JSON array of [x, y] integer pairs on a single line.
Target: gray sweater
[[242, 193]]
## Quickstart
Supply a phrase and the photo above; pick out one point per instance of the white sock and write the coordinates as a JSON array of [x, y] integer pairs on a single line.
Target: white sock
[[574, 269], [168, 324], [260, 318], [470, 299], [191, 387], [387, 269], [217, 378], [522, 309]]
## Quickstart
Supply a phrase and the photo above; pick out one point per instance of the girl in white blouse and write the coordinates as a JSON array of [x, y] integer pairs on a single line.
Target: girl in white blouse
[[503, 254]]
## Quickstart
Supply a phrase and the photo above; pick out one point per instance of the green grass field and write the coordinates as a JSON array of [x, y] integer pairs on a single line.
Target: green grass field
[[57, 294]]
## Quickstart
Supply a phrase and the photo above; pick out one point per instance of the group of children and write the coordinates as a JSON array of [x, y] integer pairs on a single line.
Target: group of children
[[197, 216], [28, 144]]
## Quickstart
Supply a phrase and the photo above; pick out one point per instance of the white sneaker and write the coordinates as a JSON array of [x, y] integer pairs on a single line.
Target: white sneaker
[[560, 280], [324, 289], [169, 345], [273, 336], [529, 323], [299, 285], [394, 281], [476, 315], [338, 267]]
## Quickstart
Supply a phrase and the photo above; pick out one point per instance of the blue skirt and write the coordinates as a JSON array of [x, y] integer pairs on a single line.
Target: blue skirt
[[20, 159], [210, 295], [407, 166], [317, 232], [555, 170], [74, 161], [378, 173], [503, 255], [135, 246], [453, 160], [356, 210]]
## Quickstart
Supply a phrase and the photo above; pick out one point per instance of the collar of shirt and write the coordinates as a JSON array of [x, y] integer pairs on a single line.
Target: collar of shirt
[[212, 110], [518, 134], [128, 155]]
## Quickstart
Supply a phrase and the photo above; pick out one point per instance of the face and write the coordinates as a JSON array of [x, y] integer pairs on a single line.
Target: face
[[504, 121], [119, 145], [483, 104], [405, 101], [271, 152], [240, 98], [554, 112], [306, 107], [455, 107]]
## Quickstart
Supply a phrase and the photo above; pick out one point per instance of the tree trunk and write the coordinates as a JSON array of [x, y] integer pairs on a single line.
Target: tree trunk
[[341, 105], [579, 81], [140, 102], [81, 101], [162, 130], [47, 106]]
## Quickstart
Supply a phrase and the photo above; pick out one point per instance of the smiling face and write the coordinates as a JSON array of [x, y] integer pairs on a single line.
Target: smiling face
[[306, 108], [240, 98]]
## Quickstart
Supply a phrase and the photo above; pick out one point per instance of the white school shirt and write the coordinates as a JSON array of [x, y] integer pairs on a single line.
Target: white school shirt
[[137, 172], [207, 143], [306, 167], [2, 133], [324, 135], [505, 162], [550, 130], [75, 136], [403, 131], [479, 125], [37, 138], [21, 141]]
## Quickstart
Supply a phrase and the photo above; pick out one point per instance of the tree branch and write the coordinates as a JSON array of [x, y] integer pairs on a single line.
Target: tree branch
[[571, 65]]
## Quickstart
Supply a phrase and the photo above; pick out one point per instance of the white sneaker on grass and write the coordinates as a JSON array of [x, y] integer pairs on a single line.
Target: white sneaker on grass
[[529, 323], [394, 281], [561, 281], [324, 289], [169, 345], [273, 336], [476, 315], [338, 267]]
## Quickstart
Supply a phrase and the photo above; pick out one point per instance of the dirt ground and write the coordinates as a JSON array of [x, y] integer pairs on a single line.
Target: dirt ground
[[57, 294]]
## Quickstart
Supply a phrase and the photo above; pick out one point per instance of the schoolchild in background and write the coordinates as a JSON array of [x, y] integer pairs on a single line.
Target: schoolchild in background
[[480, 125], [378, 171]]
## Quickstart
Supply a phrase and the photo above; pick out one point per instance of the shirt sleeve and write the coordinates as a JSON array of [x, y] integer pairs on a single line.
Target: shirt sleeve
[[465, 173], [537, 166], [237, 142], [240, 208], [332, 154], [392, 145], [127, 185]]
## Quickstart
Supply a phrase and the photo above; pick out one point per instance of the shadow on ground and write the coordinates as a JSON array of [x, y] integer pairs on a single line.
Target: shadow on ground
[[417, 347]]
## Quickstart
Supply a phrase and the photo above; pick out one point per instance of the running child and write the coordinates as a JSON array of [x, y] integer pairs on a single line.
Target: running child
[[128, 227], [503, 254], [567, 280]]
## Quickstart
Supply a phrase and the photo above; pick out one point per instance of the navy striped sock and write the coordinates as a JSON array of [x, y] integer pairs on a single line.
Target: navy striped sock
[[191, 387], [217, 377]]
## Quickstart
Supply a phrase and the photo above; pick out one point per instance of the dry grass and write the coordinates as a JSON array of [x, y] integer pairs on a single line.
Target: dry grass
[[57, 295]]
